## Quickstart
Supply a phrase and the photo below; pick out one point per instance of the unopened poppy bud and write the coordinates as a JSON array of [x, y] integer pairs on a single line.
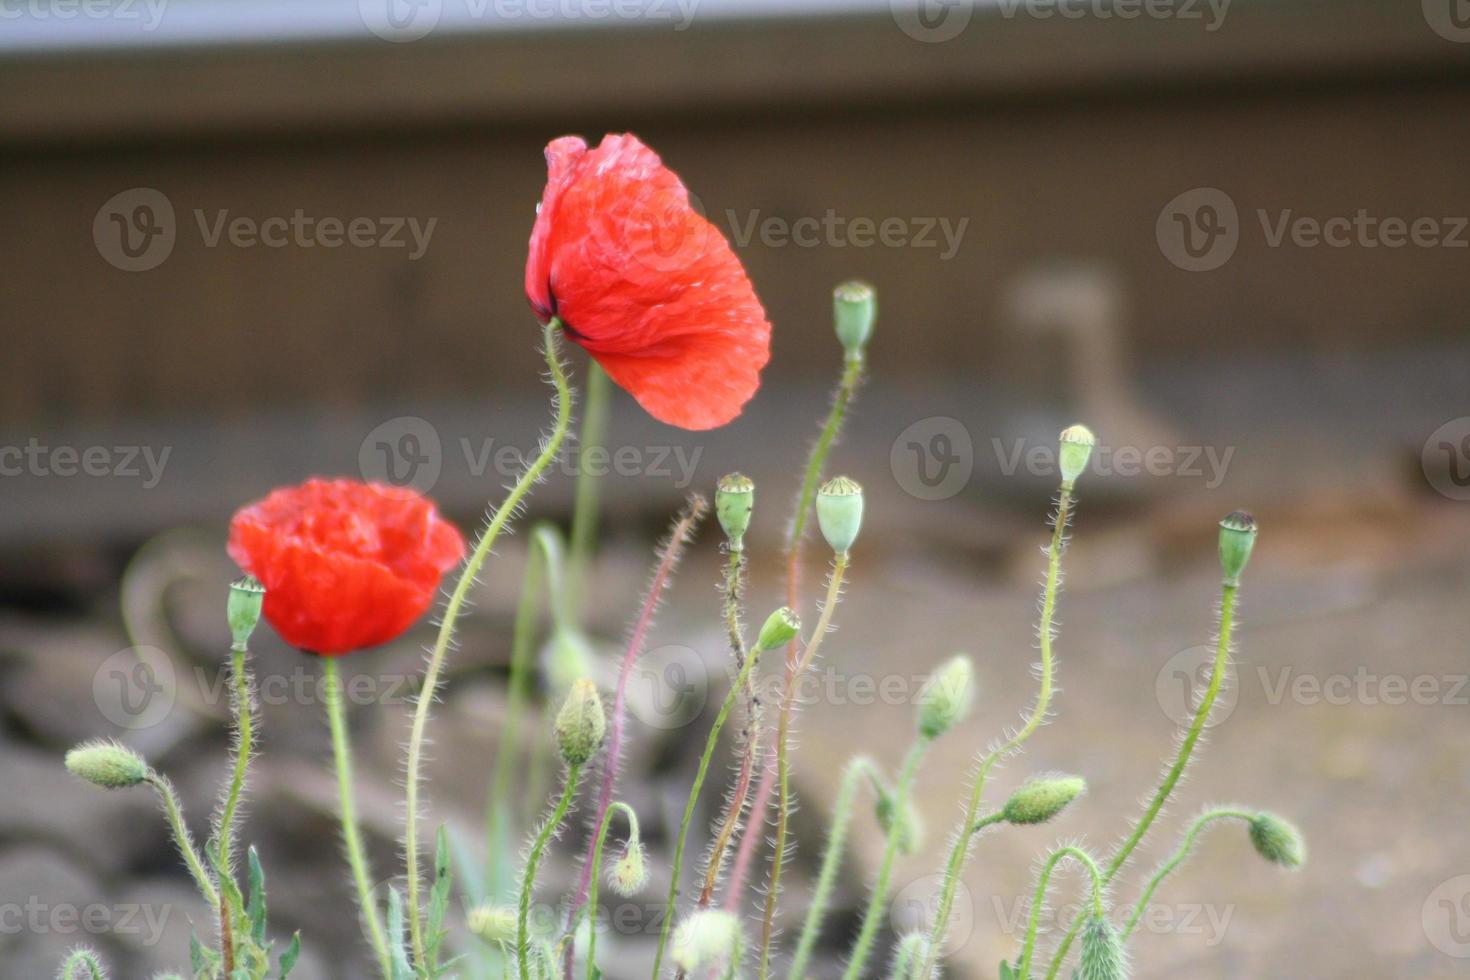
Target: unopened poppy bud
[[780, 628], [909, 956], [708, 937], [493, 923], [854, 311], [840, 512], [946, 697], [629, 873], [1237, 538], [107, 764], [1102, 952], [247, 595], [1038, 800], [567, 656], [1278, 841], [902, 824], [1074, 452], [734, 501], [580, 724]]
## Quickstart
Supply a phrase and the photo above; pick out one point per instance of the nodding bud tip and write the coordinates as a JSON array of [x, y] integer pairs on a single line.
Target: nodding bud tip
[[1076, 442], [709, 937], [1237, 538], [493, 923], [1102, 956], [854, 311], [734, 502], [840, 512], [1042, 798], [247, 596], [107, 764], [947, 696], [629, 873], [1278, 841], [580, 724], [902, 824], [780, 628]]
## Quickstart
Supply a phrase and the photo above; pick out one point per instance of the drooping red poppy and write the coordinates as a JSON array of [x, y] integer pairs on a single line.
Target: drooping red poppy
[[645, 283], [345, 564]]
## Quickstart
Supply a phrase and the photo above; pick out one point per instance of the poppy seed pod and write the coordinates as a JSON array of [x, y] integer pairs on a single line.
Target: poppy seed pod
[[107, 764], [1237, 538], [734, 502], [708, 937], [1075, 449], [580, 724], [1102, 952], [840, 512], [1039, 800], [242, 610], [854, 311], [780, 628], [1278, 841], [946, 697]]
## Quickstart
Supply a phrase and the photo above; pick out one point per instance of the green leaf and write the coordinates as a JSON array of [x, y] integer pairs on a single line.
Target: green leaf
[[256, 910], [398, 956], [1006, 973], [288, 958], [438, 905], [204, 961]]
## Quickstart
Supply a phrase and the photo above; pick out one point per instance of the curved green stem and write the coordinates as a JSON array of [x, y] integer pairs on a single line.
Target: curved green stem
[[862, 947], [591, 907], [852, 776], [961, 849], [486, 542], [182, 838], [244, 711], [347, 813], [82, 959], [852, 375], [1023, 966], [533, 860], [584, 504], [1228, 591], [1178, 858]]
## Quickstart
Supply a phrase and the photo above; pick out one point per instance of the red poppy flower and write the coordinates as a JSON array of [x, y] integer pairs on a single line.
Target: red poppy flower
[[345, 564], [649, 287]]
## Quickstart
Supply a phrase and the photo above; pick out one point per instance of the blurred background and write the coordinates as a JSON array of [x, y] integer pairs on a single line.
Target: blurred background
[[246, 241]]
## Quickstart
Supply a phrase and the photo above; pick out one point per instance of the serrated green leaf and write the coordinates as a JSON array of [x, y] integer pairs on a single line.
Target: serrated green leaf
[[256, 912], [398, 955], [290, 955]]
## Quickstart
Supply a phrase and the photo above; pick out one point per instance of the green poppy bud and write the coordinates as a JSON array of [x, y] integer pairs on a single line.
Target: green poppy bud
[[242, 610], [854, 311], [840, 512], [946, 697], [708, 937], [903, 824], [493, 923], [1102, 952], [1237, 538], [1038, 800], [107, 764], [779, 629], [629, 873], [1074, 452], [734, 501], [1278, 841], [580, 724]]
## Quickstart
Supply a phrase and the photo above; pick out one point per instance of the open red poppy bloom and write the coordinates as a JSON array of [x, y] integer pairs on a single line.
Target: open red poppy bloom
[[640, 279], [346, 565]]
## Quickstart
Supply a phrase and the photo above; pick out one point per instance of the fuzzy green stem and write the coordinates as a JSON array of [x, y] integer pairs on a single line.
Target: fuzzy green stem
[[1023, 966], [347, 812], [533, 860], [1178, 858], [483, 546], [857, 768], [182, 838], [593, 435], [985, 821], [852, 375], [711, 741], [591, 907], [862, 947], [1224, 633], [244, 711], [961, 849]]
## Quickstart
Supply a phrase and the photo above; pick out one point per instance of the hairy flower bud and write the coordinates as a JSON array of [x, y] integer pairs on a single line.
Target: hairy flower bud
[[734, 501], [1074, 452], [854, 310], [909, 956], [629, 873], [1040, 799], [1278, 841], [1102, 952], [947, 696], [708, 937], [580, 724], [1237, 538], [242, 610], [779, 629], [903, 824], [493, 923], [107, 764], [840, 512]]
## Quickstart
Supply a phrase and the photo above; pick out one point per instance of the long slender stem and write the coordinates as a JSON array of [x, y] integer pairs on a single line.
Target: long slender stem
[[710, 742], [783, 762], [593, 436], [347, 813], [1179, 856], [183, 840], [498, 521], [632, 819], [859, 767], [244, 711], [533, 860], [1023, 966], [961, 849], [760, 804], [862, 947], [1225, 630]]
